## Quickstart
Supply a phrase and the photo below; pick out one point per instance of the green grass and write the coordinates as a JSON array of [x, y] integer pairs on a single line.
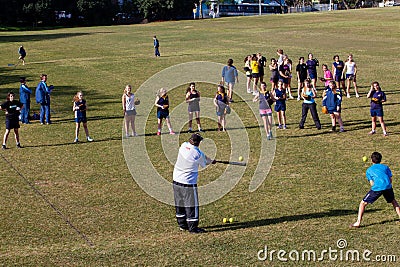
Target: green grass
[[307, 200]]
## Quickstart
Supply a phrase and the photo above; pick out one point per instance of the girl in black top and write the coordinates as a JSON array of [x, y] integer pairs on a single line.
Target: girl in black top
[[12, 109]]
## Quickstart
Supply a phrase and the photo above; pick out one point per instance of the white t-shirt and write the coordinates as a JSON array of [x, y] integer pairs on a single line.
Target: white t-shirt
[[186, 168], [350, 67], [130, 102]]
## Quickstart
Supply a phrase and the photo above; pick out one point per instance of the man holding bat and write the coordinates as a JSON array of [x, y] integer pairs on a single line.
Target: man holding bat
[[185, 176]]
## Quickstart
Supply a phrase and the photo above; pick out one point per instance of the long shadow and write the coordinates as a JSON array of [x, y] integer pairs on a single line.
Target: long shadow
[[40, 37], [291, 218], [380, 223], [73, 144]]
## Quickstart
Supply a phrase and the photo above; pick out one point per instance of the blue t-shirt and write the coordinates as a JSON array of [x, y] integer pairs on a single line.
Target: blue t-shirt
[[309, 99], [380, 174], [229, 74], [377, 99], [312, 66]]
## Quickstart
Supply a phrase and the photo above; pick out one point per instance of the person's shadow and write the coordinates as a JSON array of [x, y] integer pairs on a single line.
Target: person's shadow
[[283, 219]]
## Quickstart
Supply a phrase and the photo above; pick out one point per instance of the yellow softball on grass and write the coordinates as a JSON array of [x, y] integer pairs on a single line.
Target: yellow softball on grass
[[231, 220], [224, 220]]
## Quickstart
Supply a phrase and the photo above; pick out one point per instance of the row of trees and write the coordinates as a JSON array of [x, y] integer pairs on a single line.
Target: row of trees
[[100, 12], [89, 12]]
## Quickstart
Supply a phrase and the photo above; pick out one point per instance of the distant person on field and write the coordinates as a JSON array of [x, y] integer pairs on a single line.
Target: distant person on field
[[337, 69], [301, 70], [79, 107], [12, 108], [255, 72], [156, 44], [194, 11], [162, 104], [221, 102], [351, 74], [377, 98], [25, 99], [328, 76], [279, 94], [22, 54], [332, 101], [185, 175], [42, 95], [380, 178], [230, 76], [265, 101], [193, 99], [312, 64], [274, 68], [309, 94], [262, 62], [129, 108], [247, 69]]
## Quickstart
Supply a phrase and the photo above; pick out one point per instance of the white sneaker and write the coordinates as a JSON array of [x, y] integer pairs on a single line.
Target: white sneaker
[[254, 93], [76, 140], [248, 90], [134, 134], [89, 139], [348, 96]]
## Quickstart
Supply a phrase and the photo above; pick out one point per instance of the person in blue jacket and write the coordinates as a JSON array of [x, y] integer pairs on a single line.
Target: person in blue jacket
[[156, 44], [332, 101], [43, 98], [25, 99]]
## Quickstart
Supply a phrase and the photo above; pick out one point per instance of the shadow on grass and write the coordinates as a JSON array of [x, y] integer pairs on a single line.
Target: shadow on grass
[[74, 144], [382, 222], [41, 37], [283, 219]]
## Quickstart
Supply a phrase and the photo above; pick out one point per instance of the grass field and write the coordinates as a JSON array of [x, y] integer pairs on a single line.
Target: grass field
[[66, 204]]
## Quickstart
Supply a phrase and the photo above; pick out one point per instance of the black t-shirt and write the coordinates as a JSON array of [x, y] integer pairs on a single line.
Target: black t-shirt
[[302, 70], [12, 109], [261, 63]]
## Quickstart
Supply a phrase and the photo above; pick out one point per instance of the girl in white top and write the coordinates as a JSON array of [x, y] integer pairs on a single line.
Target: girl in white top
[[350, 68], [128, 105]]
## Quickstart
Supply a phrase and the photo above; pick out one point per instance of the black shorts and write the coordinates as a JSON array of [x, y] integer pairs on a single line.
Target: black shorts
[[12, 124], [372, 195], [255, 75]]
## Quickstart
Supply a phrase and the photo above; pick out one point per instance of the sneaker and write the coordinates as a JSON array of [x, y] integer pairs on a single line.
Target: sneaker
[[198, 230], [183, 229], [201, 130], [268, 137], [372, 132], [385, 134], [270, 134], [158, 133], [291, 97], [3, 147], [284, 127], [190, 131], [348, 96], [333, 129], [254, 92], [279, 126], [19, 145], [341, 129], [298, 98], [127, 136], [89, 139], [134, 134], [357, 95], [76, 140], [172, 132], [249, 91]]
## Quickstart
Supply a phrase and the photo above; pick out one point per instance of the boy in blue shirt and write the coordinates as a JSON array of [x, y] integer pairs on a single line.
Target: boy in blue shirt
[[380, 178]]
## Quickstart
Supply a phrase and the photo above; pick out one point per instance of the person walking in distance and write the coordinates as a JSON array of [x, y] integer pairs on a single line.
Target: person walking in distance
[[156, 44]]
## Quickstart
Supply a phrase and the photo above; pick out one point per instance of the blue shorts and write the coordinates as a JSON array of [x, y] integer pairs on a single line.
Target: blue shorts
[[280, 107], [81, 119], [312, 75], [284, 80], [372, 195], [338, 78], [351, 77], [162, 114], [376, 112]]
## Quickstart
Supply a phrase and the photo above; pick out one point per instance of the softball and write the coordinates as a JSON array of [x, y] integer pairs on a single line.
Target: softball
[[231, 220], [224, 220], [240, 158], [365, 158]]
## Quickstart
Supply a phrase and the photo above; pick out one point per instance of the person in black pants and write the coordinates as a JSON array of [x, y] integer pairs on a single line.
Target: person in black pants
[[309, 94]]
